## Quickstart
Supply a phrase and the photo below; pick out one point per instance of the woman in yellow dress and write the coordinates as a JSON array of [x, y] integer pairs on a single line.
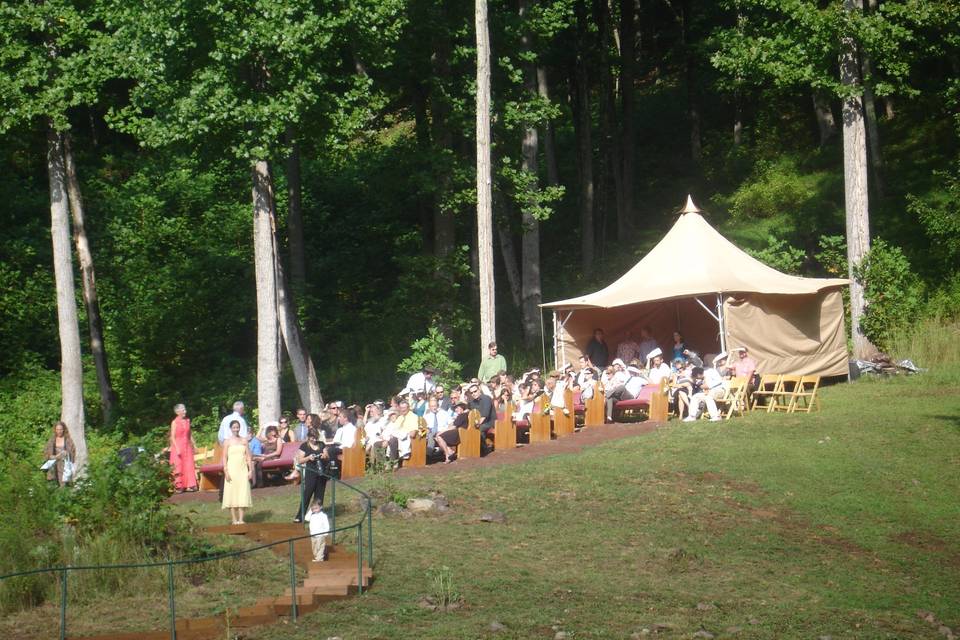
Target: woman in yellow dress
[[237, 474]]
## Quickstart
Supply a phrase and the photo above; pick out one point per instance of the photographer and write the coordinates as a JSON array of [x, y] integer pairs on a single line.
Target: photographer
[[312, 456]]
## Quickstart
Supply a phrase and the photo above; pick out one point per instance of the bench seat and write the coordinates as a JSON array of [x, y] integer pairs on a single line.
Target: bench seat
[[285, 459]]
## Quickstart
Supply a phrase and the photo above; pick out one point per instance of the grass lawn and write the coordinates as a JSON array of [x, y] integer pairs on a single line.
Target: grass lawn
[[842, 523]]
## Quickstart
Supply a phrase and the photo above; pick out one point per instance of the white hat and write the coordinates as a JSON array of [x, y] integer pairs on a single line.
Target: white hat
[[618, 361], [566, 365], [719, 357], [654, 353], [635, 371], [739, 349]]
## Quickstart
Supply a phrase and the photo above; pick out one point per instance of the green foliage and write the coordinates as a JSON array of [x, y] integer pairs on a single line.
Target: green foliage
[[932, 342], [833, 255], [893, 293], [780, 255], [778, 186], [939, 213], [433, 350]]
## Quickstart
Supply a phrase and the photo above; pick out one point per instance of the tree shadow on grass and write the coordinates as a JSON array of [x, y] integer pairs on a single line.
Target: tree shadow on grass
[[954, 420]]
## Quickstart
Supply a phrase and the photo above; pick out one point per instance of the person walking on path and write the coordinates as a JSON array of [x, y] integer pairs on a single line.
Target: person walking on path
[[182, 449], [492, 364]]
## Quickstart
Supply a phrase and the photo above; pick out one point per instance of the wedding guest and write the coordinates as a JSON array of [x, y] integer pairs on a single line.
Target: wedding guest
[[237, 474], [182, 449], [59, 449]]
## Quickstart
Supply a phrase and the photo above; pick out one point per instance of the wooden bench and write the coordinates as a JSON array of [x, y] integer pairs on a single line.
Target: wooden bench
[[504, 431], [660, 403], [470, 437], [282, 464], [564, 420], [594, 408], [211, 473], [418, 448], [540, 421], [640, 404], [353, 461]]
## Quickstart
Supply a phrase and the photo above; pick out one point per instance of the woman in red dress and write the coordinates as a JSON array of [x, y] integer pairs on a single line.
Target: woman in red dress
[[182, 448]]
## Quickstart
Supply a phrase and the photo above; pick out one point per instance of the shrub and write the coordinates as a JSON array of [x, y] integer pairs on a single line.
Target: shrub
[[780, 255], [433, 350], [893, 293], [776, 187]]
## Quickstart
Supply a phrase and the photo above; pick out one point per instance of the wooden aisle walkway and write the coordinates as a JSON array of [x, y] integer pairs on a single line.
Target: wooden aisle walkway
[[334, 579]]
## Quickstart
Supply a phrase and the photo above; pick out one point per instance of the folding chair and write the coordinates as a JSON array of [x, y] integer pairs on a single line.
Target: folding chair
[[768, 387], [782, 400], [735, 399], [805, 396]]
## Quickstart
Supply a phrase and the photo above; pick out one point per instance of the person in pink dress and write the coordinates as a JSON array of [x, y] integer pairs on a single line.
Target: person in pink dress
[[182, 448]]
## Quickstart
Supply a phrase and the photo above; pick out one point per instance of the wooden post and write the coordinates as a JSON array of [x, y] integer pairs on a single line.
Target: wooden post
[[659, 405], [470, 437], [418, 452]]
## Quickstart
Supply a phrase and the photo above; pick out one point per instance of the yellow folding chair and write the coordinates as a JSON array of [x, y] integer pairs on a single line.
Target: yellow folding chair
[[735, 399], [805, 396], [768, 387], [782, 400]]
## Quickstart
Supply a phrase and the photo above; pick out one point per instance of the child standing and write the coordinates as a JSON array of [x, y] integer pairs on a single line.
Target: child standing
[[319, 527]]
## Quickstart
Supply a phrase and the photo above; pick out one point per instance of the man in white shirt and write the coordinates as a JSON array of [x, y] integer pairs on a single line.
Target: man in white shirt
[[237, 415], [437, 421], [712, 390], [420, 382], [629, 390], [346, 435], [658, 368]]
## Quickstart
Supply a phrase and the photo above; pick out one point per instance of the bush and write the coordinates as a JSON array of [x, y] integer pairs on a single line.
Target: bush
[[777, 187], [433, 350], [893, 293], [780, 255]]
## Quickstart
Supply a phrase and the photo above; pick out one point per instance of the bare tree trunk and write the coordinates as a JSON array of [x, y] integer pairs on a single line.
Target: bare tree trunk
[[444, 227], [509, 253], [488, 330], [737, 122], [549, 144], [582, 123], [610, 151], [888, 107], [88, 277], [265, 260], [690, 73], [855, 184], [530, 291], [71, 367], [824, 114], [300, 361], [628, 56], [298, 256]]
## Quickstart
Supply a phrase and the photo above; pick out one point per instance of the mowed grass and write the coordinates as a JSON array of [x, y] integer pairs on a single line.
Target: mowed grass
[[843, 523]]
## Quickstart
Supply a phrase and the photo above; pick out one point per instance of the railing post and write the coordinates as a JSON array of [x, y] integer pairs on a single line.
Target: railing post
[[369, 532], [333, 511], [293, 585], [360, 557], [63, 603], [173, 606]]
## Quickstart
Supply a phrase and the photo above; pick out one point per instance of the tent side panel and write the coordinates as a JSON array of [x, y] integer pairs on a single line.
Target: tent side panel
[[789, 334]]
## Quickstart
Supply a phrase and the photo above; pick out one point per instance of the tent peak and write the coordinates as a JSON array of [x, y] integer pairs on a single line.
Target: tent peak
[[690, 207]]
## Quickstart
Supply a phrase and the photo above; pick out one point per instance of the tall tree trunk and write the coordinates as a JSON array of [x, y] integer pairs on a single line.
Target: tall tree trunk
[[855, 184], [530, 291], [549, 139], [300, 361], [298, 256], [690, 74], [610, 148], [265, 260], [71, 367], [509, 254], [444, 228], [737, 121], [582, 123], [824, 114], [488, 327], [88, 277], [628, 56]]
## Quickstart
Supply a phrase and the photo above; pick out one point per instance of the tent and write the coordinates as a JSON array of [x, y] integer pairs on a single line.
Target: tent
[[697, 282]]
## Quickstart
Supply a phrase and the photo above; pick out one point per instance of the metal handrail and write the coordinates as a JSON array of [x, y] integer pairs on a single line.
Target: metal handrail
[[366, 518]]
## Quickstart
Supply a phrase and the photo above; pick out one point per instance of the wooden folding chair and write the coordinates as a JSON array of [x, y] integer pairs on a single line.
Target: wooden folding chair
[[782, 400], [768, 387], [805, 396], [735, 399]]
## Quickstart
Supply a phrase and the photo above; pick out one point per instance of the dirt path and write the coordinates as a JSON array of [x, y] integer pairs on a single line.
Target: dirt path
[[572, 444]]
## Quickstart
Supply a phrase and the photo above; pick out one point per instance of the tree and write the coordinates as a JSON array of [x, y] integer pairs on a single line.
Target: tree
[[488, 329]]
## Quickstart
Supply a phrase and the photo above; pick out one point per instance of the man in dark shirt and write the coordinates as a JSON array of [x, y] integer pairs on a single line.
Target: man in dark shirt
[[483, 404], [597, 349]]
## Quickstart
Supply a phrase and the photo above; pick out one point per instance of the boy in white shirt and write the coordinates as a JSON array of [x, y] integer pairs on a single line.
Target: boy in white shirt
[[319, 527]]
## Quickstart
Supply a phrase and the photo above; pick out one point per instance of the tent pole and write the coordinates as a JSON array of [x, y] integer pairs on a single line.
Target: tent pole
[[543, 340], [720, 322], [556, 338]]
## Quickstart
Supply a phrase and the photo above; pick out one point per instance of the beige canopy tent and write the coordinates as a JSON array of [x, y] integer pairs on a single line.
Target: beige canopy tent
[[697, 282]]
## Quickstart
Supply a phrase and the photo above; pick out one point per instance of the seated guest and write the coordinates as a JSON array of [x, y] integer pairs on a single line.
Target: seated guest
[[712, 389], [436, 420], [681, 386], [658, 369], [374, 428], [597, 350], [256, 451], [447, 436], [557, 390], [451, 400], [418, 404], [606, 377], [346, 435], [585, 365], [401, 431], [525, 401], [588, 384], [284, 432], [745, 367], [482, 403], [629, 390], [299, 428], [270, 448], [420, 382]]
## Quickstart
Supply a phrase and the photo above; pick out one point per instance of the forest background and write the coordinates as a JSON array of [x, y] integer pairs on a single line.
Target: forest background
[[358, 117]]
